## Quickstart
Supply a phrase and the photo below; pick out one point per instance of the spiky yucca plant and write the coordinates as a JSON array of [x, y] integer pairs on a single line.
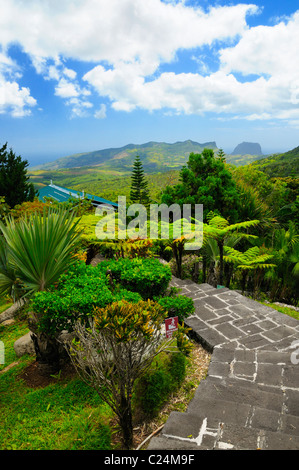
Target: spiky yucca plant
[[37, 250], [34, 252]]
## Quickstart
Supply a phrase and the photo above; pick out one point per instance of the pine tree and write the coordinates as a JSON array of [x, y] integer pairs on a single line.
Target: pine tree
[[139, 186], [14, 182]]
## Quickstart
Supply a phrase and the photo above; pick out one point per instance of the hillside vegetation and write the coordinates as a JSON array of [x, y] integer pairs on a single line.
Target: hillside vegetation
[[155, 156], [280, 165]]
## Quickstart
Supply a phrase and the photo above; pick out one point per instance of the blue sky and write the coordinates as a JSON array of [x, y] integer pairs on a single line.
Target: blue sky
[[83, 75]]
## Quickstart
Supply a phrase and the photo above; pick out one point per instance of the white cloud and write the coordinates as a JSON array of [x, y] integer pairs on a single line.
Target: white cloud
[[101, 113], [66, 89], [15, 100], [125, 43]]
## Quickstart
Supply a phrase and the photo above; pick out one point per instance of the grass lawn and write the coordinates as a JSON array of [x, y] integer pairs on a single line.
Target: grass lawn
[[4, 304], [285, 310], [67, 414], [64, 415]]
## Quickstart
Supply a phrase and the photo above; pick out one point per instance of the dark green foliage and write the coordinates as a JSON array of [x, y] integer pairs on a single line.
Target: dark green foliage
[[139, 186], [206, 180], [146, 276], [164, 377], [85, 287], [180, 306], [14, 182], [280, 165], [76, 295]]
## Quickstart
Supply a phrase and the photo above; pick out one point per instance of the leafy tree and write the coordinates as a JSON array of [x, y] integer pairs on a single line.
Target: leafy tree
[[139, 186], [14, 182], [206, 180], [253, 260], [218, 229], [285, 278], [116, 349]]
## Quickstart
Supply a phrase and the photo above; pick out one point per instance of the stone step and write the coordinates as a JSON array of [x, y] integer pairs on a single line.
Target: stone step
[[236, 392], [225, 426], [215, 435], [229, 412], [233, 438]]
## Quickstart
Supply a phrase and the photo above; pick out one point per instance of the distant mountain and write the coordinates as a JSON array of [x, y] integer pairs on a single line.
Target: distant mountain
[[280, 165], [248, 148], [155, 156]]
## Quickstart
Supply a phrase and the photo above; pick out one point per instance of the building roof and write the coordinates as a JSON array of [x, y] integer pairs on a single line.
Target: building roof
[[62, 194]]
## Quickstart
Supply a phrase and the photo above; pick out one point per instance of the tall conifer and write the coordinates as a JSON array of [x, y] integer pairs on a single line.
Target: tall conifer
[[139, 186]]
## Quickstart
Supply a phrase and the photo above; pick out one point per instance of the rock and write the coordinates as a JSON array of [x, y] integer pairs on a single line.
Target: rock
[[10, 312], [24, 345], [8, 322], [247, 148]]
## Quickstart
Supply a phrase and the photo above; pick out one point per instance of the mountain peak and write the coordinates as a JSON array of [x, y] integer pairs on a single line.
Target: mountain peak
[[247, 148]]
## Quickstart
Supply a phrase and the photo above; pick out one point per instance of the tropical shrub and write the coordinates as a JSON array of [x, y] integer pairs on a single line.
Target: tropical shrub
[[38, 250], [115, 350], [75, 296], [165, 375], [179, 306], [147, 276]]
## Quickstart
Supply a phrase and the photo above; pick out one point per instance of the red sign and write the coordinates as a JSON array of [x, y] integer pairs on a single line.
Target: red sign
[[171, 325]]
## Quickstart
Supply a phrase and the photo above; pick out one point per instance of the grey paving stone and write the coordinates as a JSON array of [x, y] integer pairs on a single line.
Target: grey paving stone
[[291, 377], [254, 341], [196, 324], [223, 411], [205, 287], [215, 303], [164, 443], [244, 355], [203, 312], [219, 369], [265, 419], [230, 331], [251, 329], [292, 402], [271, 357], [230, 391], [290, 424], [242, 310], [247, 369], [270, 374], [267, 324], [245, 321], [222, 355], [280, 441], [221, 319], [278, 333]]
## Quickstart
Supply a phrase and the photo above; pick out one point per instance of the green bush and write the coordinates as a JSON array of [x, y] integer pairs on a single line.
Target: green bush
[[146, 276], [154, 387], [75, 296], [179, 306]]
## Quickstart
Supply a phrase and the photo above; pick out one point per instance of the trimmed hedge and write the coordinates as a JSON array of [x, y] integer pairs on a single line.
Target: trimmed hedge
[[85, 287], [147, 276], [180, 306]]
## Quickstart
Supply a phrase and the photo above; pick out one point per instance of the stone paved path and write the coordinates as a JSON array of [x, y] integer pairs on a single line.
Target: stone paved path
[[250, 398]]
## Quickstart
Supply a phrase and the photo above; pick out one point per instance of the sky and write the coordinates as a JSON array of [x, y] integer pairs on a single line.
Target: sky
[[84, 75]]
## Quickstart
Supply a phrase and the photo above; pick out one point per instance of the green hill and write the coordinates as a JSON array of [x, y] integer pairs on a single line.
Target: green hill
[[155, 156], [280, 165], [107, 173]]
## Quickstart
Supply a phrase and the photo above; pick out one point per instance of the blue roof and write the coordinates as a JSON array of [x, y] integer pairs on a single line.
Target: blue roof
[[62, 194]]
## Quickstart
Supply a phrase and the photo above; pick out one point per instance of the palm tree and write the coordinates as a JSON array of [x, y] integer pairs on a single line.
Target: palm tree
[[285, 248], [34, 252], [219, 229], [253, 260]]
